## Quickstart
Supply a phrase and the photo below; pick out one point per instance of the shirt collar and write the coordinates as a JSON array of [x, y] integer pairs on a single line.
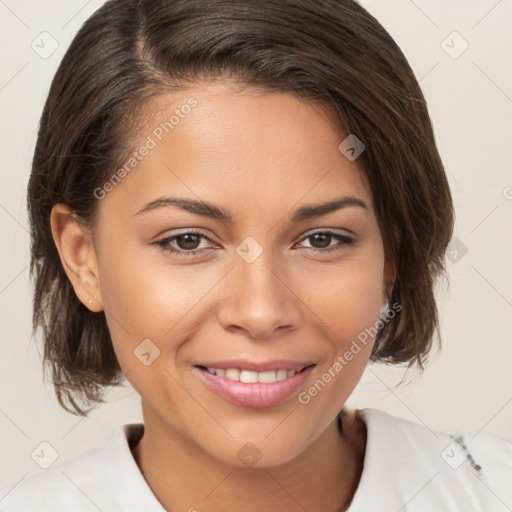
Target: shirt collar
[[134, 492]]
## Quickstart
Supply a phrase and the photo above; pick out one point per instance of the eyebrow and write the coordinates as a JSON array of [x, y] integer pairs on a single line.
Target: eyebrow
[[210, 210]]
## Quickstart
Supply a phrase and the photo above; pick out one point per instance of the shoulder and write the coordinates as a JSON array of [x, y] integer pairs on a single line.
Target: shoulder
[[415, 467], [106, 478], [65, 486]]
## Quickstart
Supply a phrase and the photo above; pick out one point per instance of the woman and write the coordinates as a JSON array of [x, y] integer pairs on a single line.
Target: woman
[[236, 206]]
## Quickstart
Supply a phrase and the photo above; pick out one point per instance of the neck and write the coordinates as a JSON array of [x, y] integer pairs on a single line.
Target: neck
[[183, 477]]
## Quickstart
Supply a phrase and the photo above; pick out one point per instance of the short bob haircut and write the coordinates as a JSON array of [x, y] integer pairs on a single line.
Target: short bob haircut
[[329, 51]]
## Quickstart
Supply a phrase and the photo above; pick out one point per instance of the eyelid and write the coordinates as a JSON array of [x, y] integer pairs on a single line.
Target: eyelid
[[334, 231], [188, 231], [311, 232], [344, 241]]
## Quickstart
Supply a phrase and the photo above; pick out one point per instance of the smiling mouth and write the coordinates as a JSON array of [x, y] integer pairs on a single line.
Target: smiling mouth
[[255, 389]]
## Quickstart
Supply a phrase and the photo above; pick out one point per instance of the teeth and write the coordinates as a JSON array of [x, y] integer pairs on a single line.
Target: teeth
[[248, 376], [267, 377], [232, 374], [281, 374]]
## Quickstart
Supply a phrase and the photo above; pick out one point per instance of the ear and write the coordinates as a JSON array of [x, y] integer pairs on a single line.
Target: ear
[[389, 278], [390, 269], [78, 256]]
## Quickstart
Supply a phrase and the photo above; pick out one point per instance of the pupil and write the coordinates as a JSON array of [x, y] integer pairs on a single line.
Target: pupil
[[324, 238], [189, 244]]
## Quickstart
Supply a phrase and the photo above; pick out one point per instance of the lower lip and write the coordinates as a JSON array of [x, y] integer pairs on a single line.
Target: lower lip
[[255, 394]]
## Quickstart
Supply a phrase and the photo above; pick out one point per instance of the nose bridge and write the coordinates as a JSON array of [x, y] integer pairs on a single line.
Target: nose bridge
[[258, 300]]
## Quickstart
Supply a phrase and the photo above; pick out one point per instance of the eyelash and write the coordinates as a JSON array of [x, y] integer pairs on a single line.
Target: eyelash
[[164, 243]]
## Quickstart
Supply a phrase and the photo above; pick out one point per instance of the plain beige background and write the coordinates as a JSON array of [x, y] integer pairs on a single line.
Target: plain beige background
[[467, 385]]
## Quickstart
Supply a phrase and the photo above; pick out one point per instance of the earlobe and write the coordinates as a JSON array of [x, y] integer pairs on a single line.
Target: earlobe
[[77, 255]]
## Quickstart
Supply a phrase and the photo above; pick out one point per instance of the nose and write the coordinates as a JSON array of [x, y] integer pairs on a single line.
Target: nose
[[258, 300]]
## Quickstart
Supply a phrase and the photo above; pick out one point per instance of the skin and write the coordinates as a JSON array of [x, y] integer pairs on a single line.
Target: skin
[[259, 155]]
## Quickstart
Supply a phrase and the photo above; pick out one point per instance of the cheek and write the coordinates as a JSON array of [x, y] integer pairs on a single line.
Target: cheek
[[146, 298], [347, 298], [136, 289]]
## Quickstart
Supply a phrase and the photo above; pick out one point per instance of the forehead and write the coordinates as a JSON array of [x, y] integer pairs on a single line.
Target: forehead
[[252, 148]]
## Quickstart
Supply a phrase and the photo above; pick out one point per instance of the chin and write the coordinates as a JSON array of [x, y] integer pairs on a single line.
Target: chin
[[257, 453]]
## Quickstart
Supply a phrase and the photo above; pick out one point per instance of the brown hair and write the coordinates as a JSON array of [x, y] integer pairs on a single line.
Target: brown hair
[[321, 50]]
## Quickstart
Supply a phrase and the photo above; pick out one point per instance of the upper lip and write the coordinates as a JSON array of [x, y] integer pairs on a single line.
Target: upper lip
[[262, 366]]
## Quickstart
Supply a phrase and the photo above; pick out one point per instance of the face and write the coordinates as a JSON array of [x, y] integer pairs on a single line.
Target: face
[[258, 287]]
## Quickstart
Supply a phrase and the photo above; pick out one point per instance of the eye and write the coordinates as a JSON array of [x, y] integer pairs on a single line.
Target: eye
[[321, 241], [187, 242]]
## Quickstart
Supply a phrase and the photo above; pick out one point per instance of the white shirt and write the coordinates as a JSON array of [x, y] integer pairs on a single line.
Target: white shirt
[[407, 467]]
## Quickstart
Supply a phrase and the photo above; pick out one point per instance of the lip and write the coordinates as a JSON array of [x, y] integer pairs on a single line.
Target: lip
[[256, 395]]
